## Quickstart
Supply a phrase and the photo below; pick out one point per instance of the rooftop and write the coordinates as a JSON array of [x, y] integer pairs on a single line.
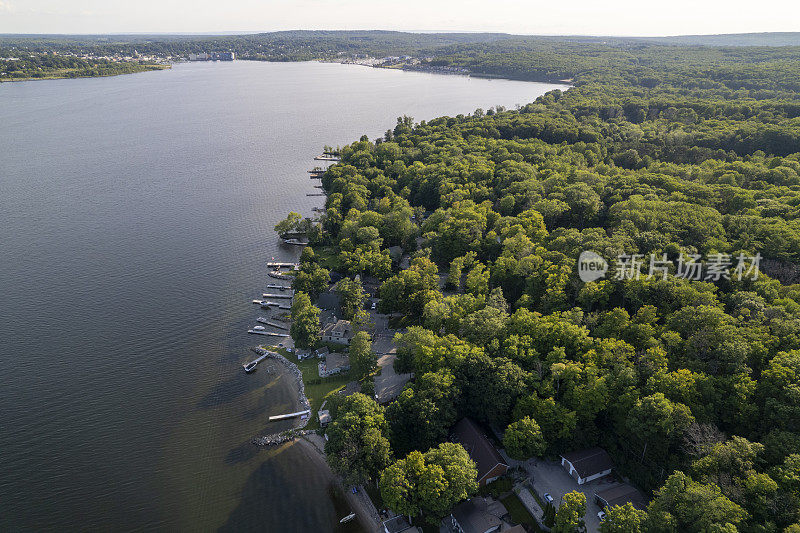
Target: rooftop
[[589, 461], [470, 436], [621, 494], [479, 514]]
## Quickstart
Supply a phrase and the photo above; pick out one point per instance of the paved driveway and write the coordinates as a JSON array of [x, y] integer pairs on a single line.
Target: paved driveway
[[389, 384], [549, 476]]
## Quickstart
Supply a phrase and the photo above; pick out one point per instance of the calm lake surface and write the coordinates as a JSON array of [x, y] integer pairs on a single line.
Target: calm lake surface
[[136, 217]]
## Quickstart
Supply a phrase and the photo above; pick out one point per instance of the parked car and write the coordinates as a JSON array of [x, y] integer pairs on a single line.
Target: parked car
[[601, 515], [548, 498]]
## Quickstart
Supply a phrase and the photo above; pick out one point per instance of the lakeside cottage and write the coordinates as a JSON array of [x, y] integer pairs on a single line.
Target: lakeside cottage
[[339, 332], [334, 363], [488, 460]]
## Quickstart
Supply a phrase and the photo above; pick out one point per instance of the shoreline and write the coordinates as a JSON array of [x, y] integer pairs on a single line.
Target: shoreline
[[314, 444], [296, 431], [150, 68]]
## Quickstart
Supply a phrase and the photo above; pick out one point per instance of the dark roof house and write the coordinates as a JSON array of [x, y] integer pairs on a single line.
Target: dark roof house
[[488, 460], [587, 465], [478, 515], [334, 363], [618, 495]]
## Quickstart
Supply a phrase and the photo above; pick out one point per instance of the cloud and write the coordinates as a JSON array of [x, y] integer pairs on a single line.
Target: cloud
[[6, 7]]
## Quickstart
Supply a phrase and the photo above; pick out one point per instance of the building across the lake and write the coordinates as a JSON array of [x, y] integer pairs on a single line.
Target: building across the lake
[[213, 56]]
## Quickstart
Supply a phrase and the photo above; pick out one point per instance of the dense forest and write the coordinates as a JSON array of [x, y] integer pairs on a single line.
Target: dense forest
[[689, 374]]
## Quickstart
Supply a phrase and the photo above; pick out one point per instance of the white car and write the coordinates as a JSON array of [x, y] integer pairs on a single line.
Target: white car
[[601, 515]]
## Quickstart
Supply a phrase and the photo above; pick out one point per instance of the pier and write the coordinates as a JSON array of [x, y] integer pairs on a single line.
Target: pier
[[279, 287], [275, 265], [268, 295], [316, 194], [269, 333], [263, 320], [324, 157], [289, 415], [249, 367]]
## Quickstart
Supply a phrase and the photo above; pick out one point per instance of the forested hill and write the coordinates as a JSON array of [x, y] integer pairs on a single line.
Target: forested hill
[[677, 165]]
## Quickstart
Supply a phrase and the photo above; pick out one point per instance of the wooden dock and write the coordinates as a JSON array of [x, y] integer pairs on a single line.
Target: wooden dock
[[263, 320], [269, 295], [276, 265], [269, 333], [289, 415], [279, 287]]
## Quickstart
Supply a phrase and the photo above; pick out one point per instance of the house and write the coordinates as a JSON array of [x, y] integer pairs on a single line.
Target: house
[[619, 495], [478, 515], [340, 332], [488, 460], [334, 363], [587, 465], [398, 524], [304, 354], [322, 352], [324, 417]]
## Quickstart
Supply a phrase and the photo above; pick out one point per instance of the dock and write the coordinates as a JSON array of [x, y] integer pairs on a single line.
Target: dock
[[269, 295], [263, 332], [289, 415], [324, 157], [275, 265], [251, 365], [263, 320], [316, 194], [279, 287]]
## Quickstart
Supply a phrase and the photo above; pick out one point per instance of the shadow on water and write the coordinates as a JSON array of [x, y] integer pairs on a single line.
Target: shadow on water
[[290, 479], [242, 453]]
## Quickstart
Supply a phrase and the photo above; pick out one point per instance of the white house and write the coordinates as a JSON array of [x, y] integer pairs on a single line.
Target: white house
[[587, 465]]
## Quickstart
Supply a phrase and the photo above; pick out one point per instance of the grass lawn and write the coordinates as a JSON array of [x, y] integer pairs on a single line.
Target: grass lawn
[[316, 388], [519, 514], [327, 256]]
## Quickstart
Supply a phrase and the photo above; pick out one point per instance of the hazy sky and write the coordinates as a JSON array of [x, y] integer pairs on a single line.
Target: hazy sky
[[594, 17]]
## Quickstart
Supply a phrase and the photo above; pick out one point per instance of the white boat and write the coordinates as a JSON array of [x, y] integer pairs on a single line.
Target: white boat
[[295, 242], [347, 518], [249, 367], [259, 328]]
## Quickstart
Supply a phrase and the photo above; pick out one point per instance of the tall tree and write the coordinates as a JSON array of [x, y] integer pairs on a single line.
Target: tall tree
[[429, 484], [305, 321], [362, 359], [571, 513], [523, 439], [358, 447]]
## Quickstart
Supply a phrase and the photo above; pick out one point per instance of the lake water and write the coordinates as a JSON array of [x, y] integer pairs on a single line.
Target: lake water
[[136, 217]]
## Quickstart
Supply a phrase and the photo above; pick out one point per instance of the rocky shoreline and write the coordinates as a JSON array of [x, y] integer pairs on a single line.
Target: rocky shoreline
[[297, 431]]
